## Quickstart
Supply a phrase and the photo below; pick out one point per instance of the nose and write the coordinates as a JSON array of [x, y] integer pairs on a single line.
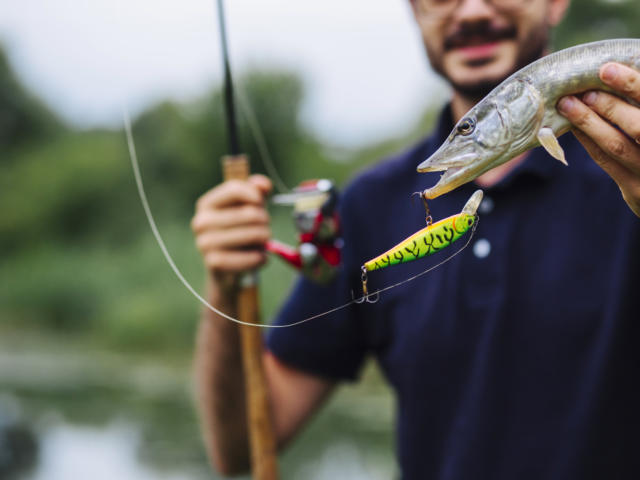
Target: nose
[[474, 10]]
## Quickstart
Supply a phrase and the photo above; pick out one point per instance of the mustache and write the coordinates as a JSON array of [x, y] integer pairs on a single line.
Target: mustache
[[477, 34]]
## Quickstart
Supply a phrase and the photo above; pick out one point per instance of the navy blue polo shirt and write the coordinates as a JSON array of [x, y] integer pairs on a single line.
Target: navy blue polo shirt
[[517, 359]]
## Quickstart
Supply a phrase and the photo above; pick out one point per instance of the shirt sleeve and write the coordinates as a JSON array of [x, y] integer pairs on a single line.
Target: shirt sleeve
[[331, 346]]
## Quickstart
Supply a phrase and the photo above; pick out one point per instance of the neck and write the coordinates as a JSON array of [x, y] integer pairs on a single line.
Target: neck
[[460, 105]]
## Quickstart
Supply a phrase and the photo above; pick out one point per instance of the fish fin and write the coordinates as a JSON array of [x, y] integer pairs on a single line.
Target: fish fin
[[550, 143]]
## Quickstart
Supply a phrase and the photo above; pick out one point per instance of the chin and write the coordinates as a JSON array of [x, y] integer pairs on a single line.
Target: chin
[[481, 73]]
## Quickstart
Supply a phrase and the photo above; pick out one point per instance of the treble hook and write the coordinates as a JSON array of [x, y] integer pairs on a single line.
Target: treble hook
[[428, 218], [366, 296]]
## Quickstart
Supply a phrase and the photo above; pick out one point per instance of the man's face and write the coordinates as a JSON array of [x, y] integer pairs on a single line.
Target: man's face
[[478, 44]]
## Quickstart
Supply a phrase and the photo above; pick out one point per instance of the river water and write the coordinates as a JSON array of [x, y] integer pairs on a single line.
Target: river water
[[74, 414]]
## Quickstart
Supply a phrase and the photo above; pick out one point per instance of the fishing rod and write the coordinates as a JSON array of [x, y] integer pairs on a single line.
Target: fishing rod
[[261, 435]]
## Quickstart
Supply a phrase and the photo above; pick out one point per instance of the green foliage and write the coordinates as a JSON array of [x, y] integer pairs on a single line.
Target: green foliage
[[76, 253], [23, 119], [590, 20]]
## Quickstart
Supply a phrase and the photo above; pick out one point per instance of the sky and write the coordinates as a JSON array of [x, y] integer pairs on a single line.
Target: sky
[[362, 61]]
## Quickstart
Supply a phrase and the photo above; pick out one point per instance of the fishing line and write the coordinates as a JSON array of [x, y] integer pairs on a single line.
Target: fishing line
[[261, 143], [156, 233]]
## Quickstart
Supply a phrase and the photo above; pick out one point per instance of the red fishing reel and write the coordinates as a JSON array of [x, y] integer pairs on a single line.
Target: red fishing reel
[[318, 253]]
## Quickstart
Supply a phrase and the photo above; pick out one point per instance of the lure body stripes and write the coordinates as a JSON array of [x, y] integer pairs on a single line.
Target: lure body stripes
[[430, 239]]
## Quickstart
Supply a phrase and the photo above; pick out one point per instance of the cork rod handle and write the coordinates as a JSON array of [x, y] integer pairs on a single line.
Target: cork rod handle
[[261, 436]]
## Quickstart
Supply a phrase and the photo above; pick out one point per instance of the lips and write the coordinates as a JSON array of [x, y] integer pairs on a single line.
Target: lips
[[479, 53]]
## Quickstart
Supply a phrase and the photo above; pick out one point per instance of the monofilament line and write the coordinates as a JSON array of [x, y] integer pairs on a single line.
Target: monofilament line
[[145, 205], [156, 233]]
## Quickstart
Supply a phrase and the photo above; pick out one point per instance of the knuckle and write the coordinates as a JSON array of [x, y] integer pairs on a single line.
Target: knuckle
[[205, 242], [583, 117], [200, 202], [631, 85], [200, 243], [214, 261], [259, 235], [616, 147], [253, 214], [607, 107], [635, 192], [196, 223]]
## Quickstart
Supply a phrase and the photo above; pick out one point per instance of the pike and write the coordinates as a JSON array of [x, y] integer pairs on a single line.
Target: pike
[[520, 113]]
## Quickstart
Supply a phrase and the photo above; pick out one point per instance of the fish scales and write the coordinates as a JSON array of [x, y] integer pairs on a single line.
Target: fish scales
[[520, 113]]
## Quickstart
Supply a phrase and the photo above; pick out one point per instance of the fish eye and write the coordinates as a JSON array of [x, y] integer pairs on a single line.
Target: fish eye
[[466, 126]]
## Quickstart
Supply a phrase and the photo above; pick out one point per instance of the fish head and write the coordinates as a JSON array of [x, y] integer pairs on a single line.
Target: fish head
[[491, 133]]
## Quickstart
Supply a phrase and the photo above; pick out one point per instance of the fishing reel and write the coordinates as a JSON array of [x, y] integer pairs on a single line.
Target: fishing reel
[[318, 253]]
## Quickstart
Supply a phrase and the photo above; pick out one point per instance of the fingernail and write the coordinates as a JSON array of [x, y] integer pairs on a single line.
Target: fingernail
[[590, 98], [609, 73], [565, 105]]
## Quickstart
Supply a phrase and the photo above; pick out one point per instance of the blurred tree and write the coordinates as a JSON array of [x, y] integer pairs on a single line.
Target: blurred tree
[[23, 118], [72, 233], [590, 20]]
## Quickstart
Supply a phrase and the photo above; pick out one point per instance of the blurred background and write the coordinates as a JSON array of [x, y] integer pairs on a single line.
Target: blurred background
[[96, 333]]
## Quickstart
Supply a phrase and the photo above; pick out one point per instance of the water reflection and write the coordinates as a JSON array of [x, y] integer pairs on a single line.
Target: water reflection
[[70, 451], [18, 442], [92, 417]]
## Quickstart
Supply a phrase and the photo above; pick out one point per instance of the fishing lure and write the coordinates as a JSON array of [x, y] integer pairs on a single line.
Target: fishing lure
[[431, 239], [469, 208]]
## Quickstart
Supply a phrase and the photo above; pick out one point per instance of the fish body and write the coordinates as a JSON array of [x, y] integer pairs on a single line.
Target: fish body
[[520, 113], [430, 239]]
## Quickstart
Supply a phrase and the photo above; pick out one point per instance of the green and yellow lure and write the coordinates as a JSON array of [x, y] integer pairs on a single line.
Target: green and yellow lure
[[430, 239]]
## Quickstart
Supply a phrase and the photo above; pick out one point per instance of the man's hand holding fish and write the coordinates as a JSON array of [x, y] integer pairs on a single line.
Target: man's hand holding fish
[[609, 128]]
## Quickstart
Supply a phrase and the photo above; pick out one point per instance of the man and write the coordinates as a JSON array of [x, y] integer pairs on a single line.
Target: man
[[516, 359]]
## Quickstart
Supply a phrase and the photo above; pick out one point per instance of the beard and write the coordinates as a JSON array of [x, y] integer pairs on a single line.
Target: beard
[[530, 48]]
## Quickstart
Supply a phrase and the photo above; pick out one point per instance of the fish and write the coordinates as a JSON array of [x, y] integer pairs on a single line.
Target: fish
[[430, 239], [520, 113]]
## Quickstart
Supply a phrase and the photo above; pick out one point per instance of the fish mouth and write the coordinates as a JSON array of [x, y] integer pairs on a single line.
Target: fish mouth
[[436, 163], [448, 181], [452, 178]]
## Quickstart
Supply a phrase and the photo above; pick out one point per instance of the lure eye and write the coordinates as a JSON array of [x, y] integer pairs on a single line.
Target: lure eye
[[466, 126], [469, 222]]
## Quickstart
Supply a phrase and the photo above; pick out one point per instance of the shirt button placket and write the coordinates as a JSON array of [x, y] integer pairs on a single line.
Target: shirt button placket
[[482, 247]]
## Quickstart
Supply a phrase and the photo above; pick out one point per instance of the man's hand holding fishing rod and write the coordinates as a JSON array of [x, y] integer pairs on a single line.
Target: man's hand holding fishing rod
[[517, 359], [231, 226]]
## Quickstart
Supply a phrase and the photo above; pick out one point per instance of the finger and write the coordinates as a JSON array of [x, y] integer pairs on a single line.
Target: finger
[[263, 183], [614, 169], [621, 78], [613, 142], [229, 217], [235, 261], [233, 239], [231, 192], [617, 111]]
